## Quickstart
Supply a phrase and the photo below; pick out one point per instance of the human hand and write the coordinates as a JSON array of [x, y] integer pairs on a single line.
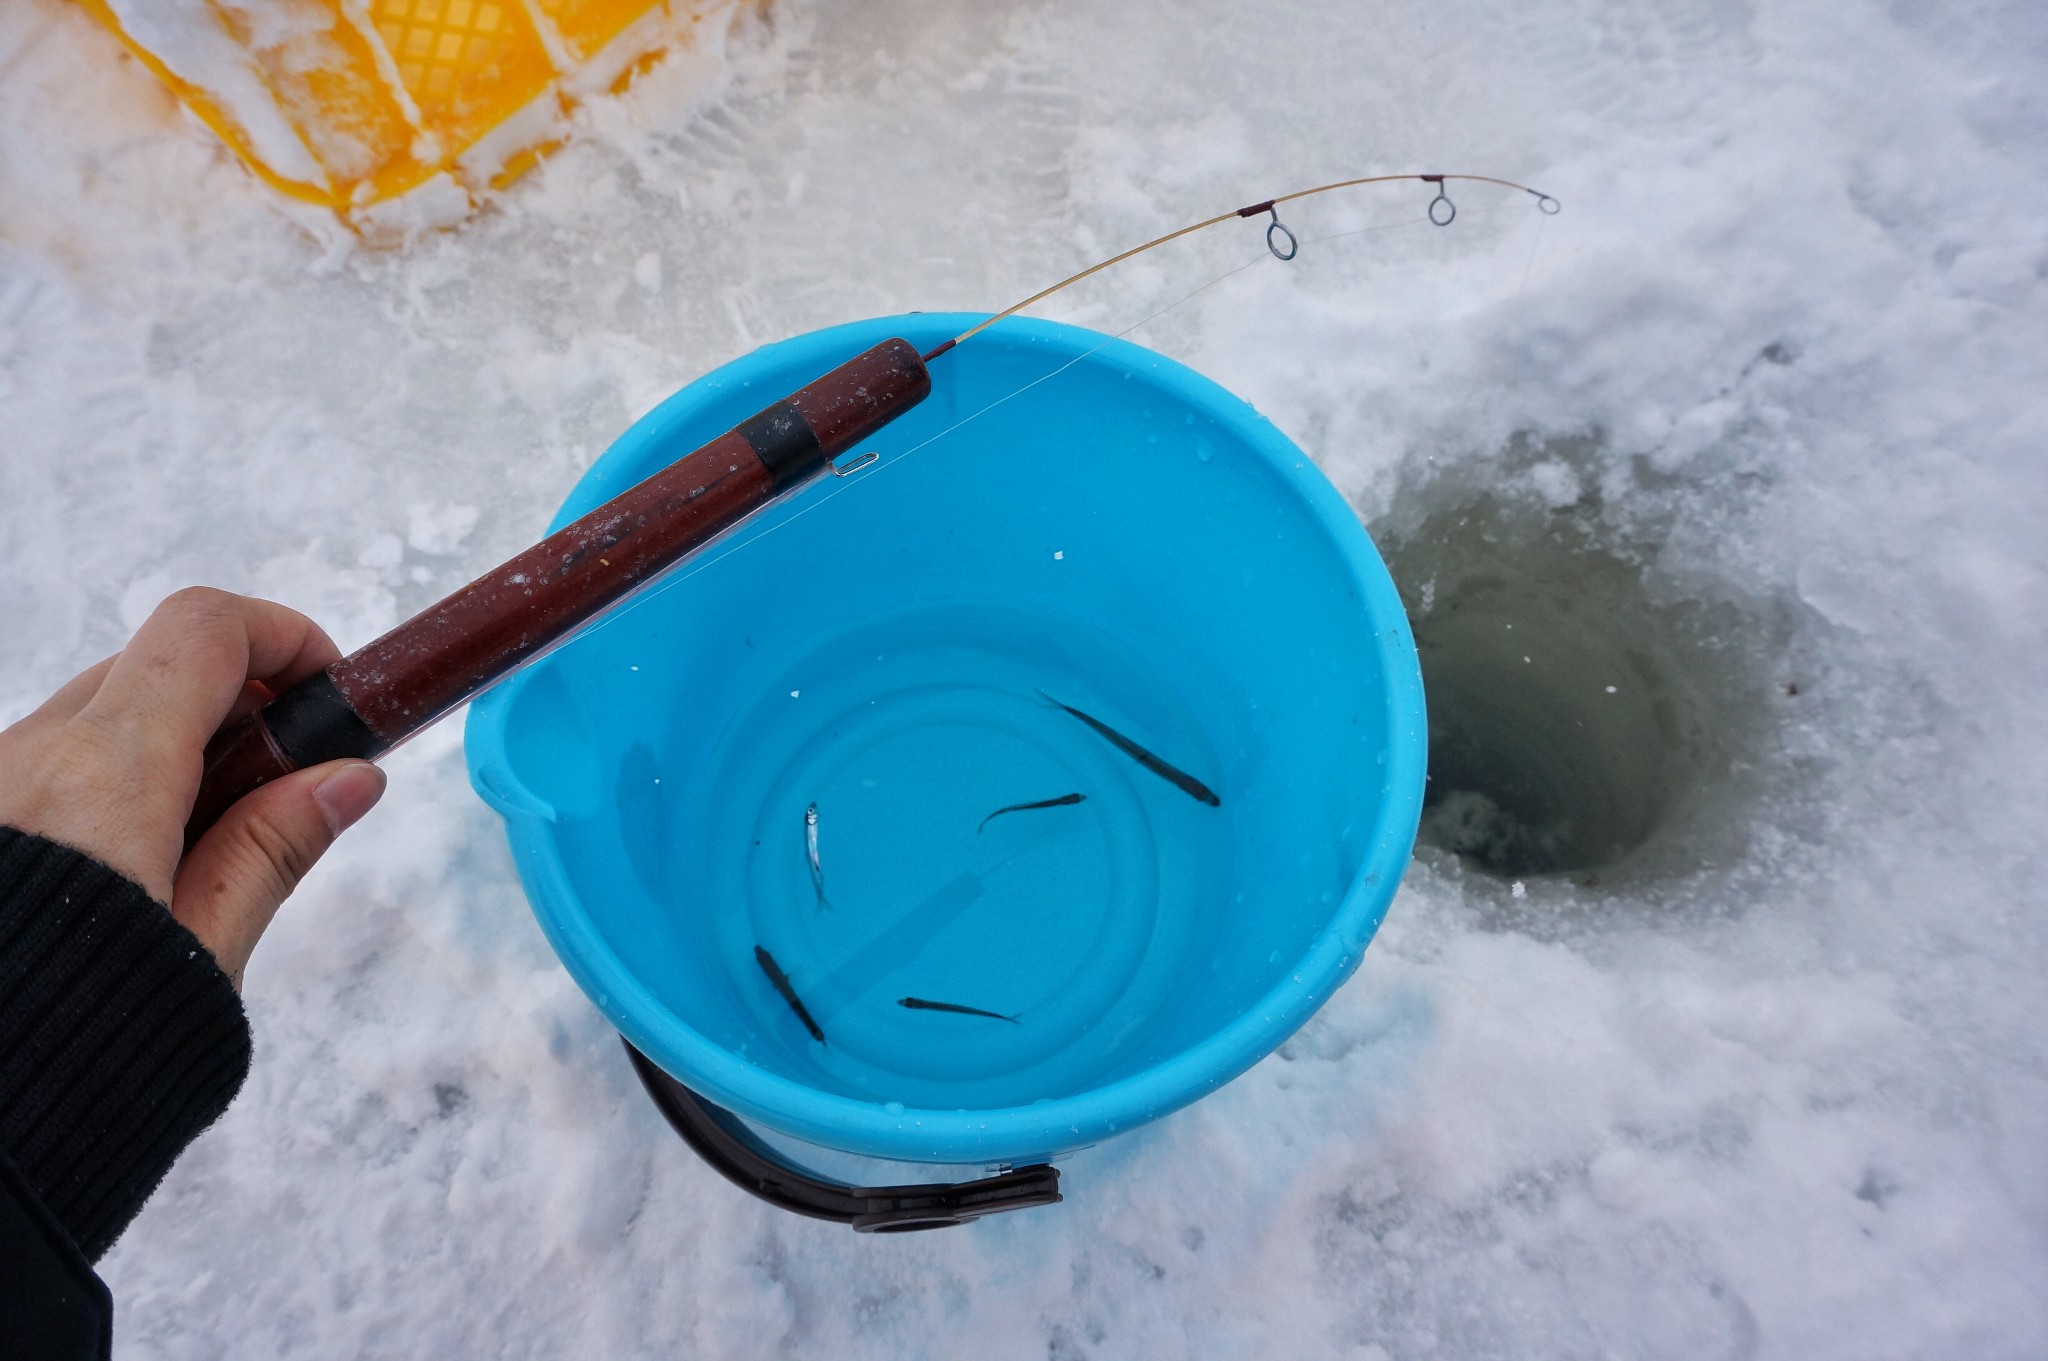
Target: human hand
[[111, 763]]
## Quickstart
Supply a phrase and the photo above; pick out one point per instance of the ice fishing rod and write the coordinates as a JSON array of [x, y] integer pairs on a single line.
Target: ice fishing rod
[[382, 694], [1441, 211]]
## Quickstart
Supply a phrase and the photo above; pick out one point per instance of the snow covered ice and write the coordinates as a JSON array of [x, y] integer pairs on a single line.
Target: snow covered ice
[[1778, 1090]]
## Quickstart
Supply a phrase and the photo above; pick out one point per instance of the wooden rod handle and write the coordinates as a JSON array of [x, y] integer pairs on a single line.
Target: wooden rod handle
[[376, 697]]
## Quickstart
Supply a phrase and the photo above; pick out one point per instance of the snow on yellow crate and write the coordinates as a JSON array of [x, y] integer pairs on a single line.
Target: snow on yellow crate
[[396, 113]]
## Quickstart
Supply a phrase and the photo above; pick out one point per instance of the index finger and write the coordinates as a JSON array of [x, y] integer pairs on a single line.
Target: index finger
[[71, 696], [179, 676]]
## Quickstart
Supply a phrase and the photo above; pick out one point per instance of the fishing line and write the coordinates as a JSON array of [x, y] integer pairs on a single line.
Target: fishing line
[[875, 469], [1365, 231], [1481, 399], [1415, 221], [1534, 243], [1147, 320]]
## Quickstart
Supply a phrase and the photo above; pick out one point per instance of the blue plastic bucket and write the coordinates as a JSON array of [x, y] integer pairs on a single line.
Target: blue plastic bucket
[[1125, 541]]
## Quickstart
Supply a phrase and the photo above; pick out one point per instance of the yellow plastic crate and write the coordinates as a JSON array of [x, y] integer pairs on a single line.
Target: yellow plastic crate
[[396, 113]]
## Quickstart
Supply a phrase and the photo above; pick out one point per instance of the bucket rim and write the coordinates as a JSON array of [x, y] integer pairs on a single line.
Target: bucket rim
[[1054, 1125]]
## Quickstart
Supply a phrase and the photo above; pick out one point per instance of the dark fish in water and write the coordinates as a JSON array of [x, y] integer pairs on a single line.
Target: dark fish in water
[[1173, 775], [811, 854], [1063, 801], [921, 1004], [782, 985]]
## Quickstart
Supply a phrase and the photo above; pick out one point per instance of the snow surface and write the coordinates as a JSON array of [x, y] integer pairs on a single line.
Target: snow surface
[[1787, 1096]]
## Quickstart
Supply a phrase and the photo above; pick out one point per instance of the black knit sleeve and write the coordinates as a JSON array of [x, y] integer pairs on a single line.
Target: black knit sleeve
[[120, 1037]]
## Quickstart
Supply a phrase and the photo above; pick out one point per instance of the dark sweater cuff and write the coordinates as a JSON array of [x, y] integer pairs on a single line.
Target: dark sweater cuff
[[120, 1037]]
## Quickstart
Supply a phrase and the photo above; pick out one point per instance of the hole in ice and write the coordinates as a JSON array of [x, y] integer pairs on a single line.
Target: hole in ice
[[1571, 714]]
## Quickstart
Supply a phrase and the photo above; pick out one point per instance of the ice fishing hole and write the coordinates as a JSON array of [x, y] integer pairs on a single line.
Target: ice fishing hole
[[1569, 723]]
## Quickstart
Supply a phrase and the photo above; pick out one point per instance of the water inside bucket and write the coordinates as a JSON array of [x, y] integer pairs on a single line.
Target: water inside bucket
[[1127, 540], [906, 733]]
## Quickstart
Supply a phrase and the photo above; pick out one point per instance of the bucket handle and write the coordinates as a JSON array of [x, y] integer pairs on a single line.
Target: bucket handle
[[740, 1156]]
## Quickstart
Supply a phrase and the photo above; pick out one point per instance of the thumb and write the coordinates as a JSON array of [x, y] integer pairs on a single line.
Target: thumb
[[232, 882]]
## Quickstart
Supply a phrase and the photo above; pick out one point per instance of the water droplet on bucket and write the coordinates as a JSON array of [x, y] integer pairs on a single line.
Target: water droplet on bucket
[[893, 1107]]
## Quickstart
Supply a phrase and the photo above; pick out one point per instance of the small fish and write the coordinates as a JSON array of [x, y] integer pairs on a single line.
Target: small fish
[[811, 854], [921, 1004], [782, 985], [1063, 801], [1179, 779]]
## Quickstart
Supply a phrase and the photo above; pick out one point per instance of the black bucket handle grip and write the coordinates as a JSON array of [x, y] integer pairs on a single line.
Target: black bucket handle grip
[[747, 1161]]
